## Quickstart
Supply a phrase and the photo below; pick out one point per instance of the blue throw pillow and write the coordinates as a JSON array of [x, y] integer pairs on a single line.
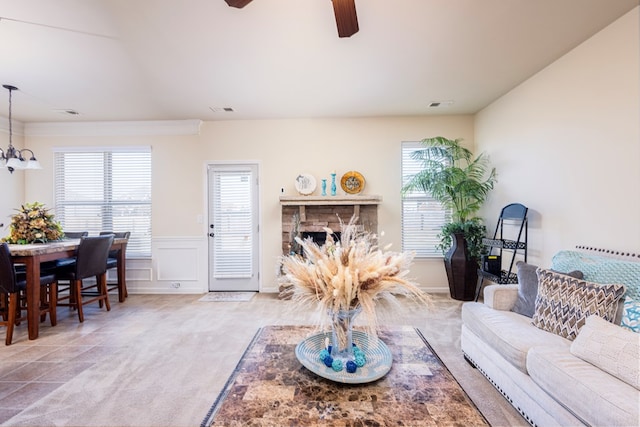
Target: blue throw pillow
[[631, 315]]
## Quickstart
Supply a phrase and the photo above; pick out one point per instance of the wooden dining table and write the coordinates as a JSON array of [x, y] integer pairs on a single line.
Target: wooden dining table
[[31, 255]]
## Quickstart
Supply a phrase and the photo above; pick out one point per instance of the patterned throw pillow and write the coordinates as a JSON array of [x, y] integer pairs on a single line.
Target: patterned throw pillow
[[631, 315], [563, 303], [528, 288]]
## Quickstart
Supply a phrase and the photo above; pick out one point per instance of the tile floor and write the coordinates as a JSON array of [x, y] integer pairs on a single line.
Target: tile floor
[[161, 360]]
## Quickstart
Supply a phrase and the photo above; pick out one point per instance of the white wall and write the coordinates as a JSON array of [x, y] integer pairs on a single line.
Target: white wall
[[11, 184], [566, 143], [283, 148]]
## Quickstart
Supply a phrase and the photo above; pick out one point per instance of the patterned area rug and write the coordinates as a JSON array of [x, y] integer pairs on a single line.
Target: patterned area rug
[[270, 387], [228, 296]]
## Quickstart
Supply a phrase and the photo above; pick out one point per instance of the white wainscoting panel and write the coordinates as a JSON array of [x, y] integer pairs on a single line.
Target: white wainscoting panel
[[178, 265]]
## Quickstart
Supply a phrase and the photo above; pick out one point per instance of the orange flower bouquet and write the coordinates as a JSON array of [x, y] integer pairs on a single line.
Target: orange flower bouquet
[[33, 224]]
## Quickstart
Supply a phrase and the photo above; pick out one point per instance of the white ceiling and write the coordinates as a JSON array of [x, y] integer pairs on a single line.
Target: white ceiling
[[174, 59]]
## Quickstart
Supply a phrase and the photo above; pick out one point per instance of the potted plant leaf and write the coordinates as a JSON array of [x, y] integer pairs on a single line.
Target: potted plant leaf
[[461, 183]]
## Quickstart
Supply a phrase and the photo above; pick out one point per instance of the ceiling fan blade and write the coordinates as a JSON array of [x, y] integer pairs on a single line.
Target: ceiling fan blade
[[238, 3], [346, 18]]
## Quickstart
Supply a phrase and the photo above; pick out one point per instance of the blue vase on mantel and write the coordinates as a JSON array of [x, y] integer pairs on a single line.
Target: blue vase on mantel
[[324, 187], [333, 184]]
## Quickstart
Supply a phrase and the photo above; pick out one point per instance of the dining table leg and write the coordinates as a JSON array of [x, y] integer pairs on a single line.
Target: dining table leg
[[32, 265]]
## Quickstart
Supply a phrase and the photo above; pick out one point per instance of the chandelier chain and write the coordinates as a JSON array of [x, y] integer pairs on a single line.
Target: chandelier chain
[[10, 121]]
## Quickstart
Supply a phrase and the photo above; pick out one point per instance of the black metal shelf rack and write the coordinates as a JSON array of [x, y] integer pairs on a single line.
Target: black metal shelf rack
[[512, 217]]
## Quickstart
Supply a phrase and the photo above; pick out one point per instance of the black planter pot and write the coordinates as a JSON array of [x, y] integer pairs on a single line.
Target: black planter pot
[[462, 271]]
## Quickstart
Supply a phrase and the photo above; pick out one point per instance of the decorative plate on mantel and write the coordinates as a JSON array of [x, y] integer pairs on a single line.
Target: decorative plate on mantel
[[305, 184], [352, 182]]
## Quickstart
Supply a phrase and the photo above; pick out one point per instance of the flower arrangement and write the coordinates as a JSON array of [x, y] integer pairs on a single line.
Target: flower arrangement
[[352, 273], [33, 224]]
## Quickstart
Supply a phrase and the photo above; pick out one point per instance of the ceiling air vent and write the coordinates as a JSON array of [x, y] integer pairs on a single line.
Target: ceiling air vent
[[67, 111], [440, 104], [222, 109]]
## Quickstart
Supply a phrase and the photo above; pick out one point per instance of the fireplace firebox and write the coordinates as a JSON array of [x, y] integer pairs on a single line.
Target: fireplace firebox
[[309, 215]]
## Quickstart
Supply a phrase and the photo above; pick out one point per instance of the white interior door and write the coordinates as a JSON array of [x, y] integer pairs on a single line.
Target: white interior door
[[233, 227]]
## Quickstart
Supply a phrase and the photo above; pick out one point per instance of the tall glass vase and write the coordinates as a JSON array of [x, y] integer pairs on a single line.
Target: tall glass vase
[[333, 184], [342, 332]]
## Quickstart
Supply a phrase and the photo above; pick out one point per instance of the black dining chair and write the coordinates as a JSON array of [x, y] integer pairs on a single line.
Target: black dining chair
[[112, 263], [75, 234], [66, 261], [90, 261], [12, 287]]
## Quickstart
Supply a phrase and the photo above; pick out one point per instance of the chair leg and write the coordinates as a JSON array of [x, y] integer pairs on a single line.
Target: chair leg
[[53, 303], [100, 292], [44, 298], [77, 291], [72, 296], [4, 303], [20, 297], [102, 280], [11, 317]]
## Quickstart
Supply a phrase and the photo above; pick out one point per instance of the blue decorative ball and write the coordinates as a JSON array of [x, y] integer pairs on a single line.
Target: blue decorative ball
[[323, 354], [351, 366], [336, 365], [328, 360], [360, 361]]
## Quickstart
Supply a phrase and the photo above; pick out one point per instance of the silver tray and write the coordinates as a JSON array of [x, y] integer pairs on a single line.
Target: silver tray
[[376, 352]]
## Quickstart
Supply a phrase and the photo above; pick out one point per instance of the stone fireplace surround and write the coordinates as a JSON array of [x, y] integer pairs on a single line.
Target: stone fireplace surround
[[317, 212]]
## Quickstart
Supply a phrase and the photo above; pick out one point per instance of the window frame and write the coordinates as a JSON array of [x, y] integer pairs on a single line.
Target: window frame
[[139, 245], [412, 222]]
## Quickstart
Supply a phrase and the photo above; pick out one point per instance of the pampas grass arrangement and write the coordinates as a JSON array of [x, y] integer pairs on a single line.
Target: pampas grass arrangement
[[350, 273]]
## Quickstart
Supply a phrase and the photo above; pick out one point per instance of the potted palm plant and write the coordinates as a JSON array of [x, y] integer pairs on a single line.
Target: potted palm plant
[[461, 183]]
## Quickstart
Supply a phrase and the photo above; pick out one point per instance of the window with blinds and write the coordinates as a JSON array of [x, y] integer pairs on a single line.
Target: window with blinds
[[422, 216], [105, 189]]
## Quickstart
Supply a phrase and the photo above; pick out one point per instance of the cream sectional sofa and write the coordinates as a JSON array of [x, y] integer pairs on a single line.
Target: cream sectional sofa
[[589, 378]]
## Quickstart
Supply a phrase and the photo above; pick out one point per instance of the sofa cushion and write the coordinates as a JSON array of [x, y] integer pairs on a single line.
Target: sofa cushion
[[508, 333], [591, 394], [500, 297], [528, 288], [563, 303], [611, 348]]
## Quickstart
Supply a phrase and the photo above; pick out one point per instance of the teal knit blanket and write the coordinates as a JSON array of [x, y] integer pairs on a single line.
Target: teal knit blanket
[[601, 269]]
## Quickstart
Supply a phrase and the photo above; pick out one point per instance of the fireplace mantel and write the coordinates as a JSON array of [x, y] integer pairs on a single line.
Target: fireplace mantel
[[303, 201], [330, 200]]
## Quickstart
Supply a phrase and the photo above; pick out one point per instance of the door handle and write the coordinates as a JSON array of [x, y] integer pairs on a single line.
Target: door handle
[[211, 235]]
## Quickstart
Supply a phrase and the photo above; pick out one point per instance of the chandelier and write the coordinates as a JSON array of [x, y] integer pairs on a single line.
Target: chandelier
[[12, 159]]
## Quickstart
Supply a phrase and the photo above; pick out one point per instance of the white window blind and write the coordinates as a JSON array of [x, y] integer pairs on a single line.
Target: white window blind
[[233, 226], [422, 216], [106, 189]]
